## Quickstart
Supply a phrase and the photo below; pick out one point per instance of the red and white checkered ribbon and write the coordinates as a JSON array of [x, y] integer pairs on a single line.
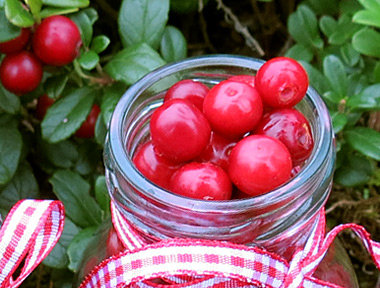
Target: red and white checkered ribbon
[[196, 263], [28, 234]]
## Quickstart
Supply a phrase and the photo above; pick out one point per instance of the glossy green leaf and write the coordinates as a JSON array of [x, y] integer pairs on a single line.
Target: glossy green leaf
[[23, 185], [50, 11], [67, 3], [367, 17], [74, 192], [10, 152], [365, 140], [132, 63], [63, 154], [34, 6], [17, 15], [335, 73], [376, 72], [316, 78], [349, 55], [9, 102], [100, 130], [111, 96], [373, 5], [88, 60], [355, 171], [368, 99], [66, 115], [173, 44], [339, 121], [8, 31], [300, 53], [100, 43], [367, 42], [323, 6], [328, 25], [84, 23], [142, 21], [55, 85], [101, 193], [344, 31], [58, 258], [303, 27]]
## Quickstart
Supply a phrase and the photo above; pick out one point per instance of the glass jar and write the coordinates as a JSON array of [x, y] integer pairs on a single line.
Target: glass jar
[[279, 221]]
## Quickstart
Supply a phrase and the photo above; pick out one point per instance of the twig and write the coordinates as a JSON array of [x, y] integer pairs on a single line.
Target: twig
[[345, 203], [240, 28]]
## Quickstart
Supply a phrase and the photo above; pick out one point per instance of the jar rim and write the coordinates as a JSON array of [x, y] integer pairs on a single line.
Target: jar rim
[[125, 165]]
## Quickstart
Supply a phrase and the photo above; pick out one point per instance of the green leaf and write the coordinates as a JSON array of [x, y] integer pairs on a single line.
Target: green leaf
[[344, 31], [10, 152], [300, 53], [142, 21], [328, 25], [17, 14], [67, 114], [335, 73], [88, 60], [63, 154], [339, 121], [365, 140], [35, 6], [317, 80], [90, 156], [355, 171], [58, 256], [101, 193], [303, 27], [74, 192], [50, 11], [23, 185], [100, 43], [368, 99], [349, 55], [367, 17], [77, 247], [54, 85], [9, 102], [373, 5], [84, 23], [323, 6], [111, 96], [173, 44], [367, 42], [376, 72], [132, 63], [67, 3], [100, 130], [8, 31]]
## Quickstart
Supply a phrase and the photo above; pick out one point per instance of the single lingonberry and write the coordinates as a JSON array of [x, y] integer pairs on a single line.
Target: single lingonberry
[[16, 44], [21, 73], [87, 129], [153, 166], [190, 90], [282, 82], [43, 104], [258, 164], [57, 40], [290, 127], [179, 130], [232, 108], [201, 181]]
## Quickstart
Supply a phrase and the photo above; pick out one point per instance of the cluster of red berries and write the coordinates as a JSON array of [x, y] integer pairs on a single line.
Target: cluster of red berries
[[56, 41], [242, 135]]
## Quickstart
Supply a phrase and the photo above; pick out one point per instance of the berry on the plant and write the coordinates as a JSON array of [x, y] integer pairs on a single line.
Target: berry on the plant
[[20, 73], [190, 90], [153, 166], [87, 129], [57, 40], [290, 127], [16, 44], [43, 104], [201, 181], [233, 108], [179, 130], [259, 164], [282, 82]]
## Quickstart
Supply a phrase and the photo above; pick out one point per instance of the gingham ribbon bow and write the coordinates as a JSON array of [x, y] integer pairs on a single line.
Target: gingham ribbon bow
[[214, 264], [29, 233]]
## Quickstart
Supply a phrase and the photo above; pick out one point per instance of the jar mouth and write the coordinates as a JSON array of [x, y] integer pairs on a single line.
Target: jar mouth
[[123, 161]]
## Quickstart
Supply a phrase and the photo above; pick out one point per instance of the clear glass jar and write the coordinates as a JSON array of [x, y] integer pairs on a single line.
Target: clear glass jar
[[279, 221]]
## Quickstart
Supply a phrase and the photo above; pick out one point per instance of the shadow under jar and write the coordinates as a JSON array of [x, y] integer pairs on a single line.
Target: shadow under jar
[[279, 221]]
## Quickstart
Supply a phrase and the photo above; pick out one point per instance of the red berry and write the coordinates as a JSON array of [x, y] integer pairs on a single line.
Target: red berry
[[16, 44], [201, 181], [232, 108], [248, 79], [113, 244], [21, 73], [190, 90], [87, 129], [43, 104], [156, 168], [282, 82], [258, 164], [57, 40], [179, 130], [217, 151], [290, 127]]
